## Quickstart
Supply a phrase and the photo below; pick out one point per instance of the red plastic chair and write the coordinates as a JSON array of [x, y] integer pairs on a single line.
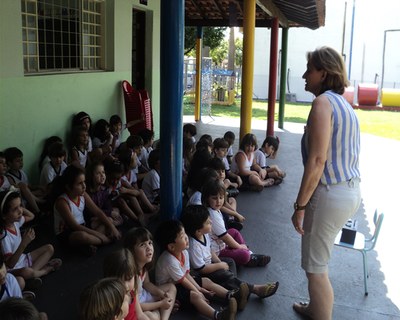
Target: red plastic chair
[[137, 106]]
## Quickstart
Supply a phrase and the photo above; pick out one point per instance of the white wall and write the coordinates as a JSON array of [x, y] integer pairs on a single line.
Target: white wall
[[370, 22]]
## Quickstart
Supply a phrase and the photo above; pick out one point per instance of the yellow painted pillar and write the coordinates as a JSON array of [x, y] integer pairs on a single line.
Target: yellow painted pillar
[[199, 44], [249, 21]]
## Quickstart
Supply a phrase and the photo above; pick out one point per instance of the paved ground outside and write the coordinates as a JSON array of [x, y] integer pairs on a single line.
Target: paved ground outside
[[268, 230]]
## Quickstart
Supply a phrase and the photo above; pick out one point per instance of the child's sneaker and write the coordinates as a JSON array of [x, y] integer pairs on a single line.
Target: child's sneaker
[[228, 313], [28, 295], [32, 284]]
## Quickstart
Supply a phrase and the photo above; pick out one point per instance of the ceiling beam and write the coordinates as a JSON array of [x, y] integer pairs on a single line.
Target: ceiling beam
[[269, 7]]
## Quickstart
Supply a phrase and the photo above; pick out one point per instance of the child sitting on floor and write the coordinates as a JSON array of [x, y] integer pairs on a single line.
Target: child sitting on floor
[[227, 243], [106, 299], [4, 182], [120, 264], [32, 196], [96, 178], [34, 264], [197, 222], [229, 136], [55, 167], [244, 165], [148, 140], [173, 267], [79, 146], [156, 301], [269, 149], [69, 223], [151, 182]]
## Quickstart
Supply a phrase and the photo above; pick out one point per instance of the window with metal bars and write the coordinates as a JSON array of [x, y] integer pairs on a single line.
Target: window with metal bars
[[62, 35]]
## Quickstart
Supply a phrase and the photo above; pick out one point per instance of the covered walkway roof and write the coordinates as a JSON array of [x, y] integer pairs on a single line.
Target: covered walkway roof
[[291, 13]]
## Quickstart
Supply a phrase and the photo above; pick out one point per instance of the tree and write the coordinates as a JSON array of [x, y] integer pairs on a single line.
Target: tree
[[212, 37], [238, 52], [220, 53]]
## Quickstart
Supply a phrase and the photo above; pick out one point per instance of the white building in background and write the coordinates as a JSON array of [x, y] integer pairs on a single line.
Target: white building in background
[[371, 20]]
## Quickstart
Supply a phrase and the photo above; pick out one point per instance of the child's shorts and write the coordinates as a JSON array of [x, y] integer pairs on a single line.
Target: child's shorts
[[183, 294]]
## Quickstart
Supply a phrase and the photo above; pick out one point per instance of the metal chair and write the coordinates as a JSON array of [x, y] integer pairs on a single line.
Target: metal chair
[[364, 245]]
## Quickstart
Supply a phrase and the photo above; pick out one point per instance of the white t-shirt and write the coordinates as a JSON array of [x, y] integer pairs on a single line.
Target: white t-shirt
[[195, 199], [76, 210], [144, 157], [48, 173], [260, 158], [230, 152], [170, 269], [12, 289], [82, 156], [218, 230], [151, 185], [11, 242], [200, 252]]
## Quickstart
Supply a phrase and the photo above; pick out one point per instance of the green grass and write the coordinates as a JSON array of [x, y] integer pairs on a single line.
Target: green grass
[[381, 123]]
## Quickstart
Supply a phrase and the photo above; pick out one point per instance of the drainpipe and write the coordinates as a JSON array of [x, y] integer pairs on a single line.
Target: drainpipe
[[282, 87], [273, 72]]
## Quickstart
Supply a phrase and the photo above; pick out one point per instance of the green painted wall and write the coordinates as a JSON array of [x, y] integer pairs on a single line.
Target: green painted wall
[[35, 107]]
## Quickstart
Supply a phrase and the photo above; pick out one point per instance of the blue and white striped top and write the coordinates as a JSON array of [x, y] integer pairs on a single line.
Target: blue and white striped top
[[342, 162]]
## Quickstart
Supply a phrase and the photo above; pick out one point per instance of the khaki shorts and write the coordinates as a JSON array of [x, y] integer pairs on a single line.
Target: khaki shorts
[[328, 210]]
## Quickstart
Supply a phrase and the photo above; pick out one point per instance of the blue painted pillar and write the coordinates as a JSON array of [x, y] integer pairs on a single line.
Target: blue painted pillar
[[171, 96]]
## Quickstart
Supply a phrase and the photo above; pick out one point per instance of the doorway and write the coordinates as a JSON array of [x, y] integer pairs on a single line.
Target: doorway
[[138, 48]]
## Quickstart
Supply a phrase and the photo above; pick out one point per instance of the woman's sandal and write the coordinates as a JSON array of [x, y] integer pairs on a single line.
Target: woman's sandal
[[55, 264], [278, 181], [269, 290], [302, 309]]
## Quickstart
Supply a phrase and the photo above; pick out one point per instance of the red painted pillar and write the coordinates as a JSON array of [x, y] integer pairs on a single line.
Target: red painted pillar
[[273, 75]]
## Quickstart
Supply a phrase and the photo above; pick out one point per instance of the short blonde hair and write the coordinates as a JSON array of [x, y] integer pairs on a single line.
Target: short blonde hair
[[329, 60], [102, 300]]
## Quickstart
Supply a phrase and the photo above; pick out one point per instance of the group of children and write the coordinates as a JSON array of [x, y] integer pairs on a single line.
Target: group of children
[[98, 191]]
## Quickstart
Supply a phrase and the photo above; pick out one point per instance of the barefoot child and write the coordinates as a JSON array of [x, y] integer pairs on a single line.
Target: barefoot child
[[156, 301], [173, 267]]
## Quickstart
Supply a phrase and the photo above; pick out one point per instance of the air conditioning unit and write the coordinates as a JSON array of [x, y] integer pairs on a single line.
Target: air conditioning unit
[[291, 97]]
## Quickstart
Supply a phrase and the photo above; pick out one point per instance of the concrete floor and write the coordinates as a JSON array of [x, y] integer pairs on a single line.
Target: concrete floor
[[268, 230]]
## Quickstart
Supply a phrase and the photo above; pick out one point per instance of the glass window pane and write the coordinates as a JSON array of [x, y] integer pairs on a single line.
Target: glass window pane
[[31, 21], [31, 7], [32, 35], [32, 50]]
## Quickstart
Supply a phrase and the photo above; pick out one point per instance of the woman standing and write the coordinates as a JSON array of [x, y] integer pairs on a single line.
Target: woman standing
[[329, 193]]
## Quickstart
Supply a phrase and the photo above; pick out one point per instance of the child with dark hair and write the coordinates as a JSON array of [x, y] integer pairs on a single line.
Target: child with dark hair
[[232, 218], [19, 309], [82, 119], [201, 159], [203, 259], [269, 149], [220, 152], [120, 196], [106, 299], [55, 167], [4, 182], [79, 146], [69, 223], [173, 267], [151, 182], [128, 159], [227, 243], [117, 127], [205, 175], [121, 264], [205, 142], [44, 156], [148, 138], [229, 136], [156, 301], [96, 178], [190, 131], [32, 196], [102, 139], [244, 165], [34, 264]]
